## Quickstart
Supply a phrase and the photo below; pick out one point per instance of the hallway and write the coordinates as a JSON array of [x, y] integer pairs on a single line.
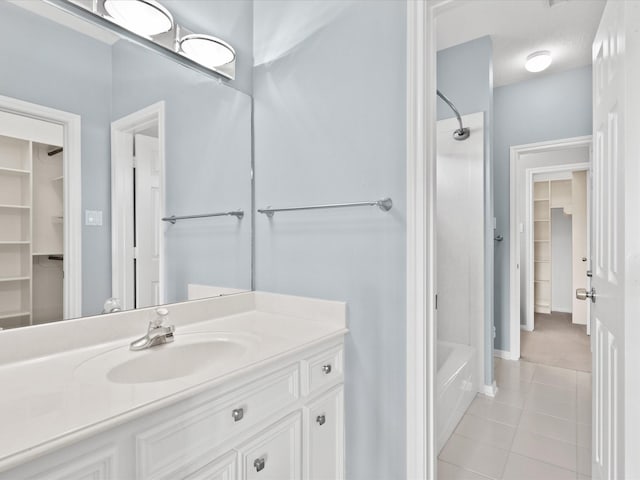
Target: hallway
[[556, 342], [537, 427]]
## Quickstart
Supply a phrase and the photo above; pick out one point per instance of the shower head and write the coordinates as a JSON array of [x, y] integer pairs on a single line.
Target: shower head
[[461, 133]]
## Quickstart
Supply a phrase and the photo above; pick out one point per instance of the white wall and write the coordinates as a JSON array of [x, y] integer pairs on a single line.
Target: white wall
[[561, 261], [460, 231], [465, 75], [330, 126]]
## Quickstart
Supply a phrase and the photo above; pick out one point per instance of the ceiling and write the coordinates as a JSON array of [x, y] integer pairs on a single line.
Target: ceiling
[[521, 27]]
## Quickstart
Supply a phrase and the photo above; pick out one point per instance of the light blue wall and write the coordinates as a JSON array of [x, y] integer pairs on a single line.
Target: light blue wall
[[208, 165], [465, 76], [330, 107], [547, 108], [62, 69]]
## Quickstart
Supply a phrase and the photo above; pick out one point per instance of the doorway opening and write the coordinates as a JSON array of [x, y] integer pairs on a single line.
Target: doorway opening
[[40, 211], [137, 185], [549, 188]]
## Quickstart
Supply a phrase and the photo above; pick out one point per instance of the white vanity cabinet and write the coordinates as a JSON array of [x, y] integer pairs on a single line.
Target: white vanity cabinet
[[279, 421]]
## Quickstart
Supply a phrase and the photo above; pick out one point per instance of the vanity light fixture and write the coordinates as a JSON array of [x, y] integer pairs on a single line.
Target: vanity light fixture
[[538, 61], [152, 21], [206, 50], [143, 17]]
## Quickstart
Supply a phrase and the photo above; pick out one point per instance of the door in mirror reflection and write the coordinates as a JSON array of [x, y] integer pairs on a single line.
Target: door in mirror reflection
[[137, 161]]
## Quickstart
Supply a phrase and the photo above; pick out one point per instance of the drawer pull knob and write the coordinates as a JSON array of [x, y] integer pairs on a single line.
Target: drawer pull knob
[[238, 414], [259, 464], [321, 419], [326, 369]]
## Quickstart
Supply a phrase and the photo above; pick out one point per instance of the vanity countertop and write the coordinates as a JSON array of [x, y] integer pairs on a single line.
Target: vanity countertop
[[51, 400]]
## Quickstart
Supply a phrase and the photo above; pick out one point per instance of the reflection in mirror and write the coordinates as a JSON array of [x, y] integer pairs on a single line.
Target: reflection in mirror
[[154, 139]]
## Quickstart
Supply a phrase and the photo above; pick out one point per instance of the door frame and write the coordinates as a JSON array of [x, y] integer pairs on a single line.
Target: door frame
[[72, 197], [122, 275], [530, 173], [420, 256], [514, 242]]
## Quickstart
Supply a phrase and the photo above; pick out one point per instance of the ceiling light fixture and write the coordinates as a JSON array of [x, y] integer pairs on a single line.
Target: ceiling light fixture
[[538, 61], [206, 50], [144, 17]]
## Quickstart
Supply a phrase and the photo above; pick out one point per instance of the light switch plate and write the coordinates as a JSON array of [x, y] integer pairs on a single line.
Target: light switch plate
[[93, 218]]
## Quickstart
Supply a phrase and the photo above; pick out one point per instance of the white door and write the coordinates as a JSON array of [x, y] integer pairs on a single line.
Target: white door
[[616, 241], [148, 216]]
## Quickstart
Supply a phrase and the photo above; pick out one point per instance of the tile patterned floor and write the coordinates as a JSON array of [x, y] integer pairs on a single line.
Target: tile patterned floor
[[536, 428]]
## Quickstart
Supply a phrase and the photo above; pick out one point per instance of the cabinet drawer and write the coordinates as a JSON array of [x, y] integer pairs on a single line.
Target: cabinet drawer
[[168, 448], [323, 369], [325, 445], [275, 453], [223, 468]]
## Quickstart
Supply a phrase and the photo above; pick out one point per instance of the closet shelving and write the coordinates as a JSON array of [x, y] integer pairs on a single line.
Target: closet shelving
[[31, 199], [542, 246], [547, 194]]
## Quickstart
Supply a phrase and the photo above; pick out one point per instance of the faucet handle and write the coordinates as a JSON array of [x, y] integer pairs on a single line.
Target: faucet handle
[[162, 314]]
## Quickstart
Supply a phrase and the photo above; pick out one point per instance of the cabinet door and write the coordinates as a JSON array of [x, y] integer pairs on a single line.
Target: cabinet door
[[223, 468], [275, 453], [325, 445]]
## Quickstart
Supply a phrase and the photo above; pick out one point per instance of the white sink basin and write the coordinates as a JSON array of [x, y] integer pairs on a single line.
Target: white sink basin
[[187, 355]]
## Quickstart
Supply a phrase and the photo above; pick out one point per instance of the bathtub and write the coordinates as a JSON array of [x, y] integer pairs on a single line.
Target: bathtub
[[456, 386]]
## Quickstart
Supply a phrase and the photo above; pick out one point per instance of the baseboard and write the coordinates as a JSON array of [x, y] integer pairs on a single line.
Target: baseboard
[[489, 390], [560, 310], [504, 354], [526, 328]]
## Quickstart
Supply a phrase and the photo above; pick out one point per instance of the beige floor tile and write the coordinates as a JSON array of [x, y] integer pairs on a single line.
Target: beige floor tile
[[513, 384], [515, 398], [560, 377], [584, 461], [552, 407], [584, 380], [523, 468], [551, 392], [545, 449], [552, 427], [447, 471], [475, 456], [489, 409], [486, 431], [584, 435], [583, 410], [513, 372]]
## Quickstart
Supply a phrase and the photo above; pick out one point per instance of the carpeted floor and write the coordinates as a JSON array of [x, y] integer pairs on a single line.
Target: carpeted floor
[[557, 342]]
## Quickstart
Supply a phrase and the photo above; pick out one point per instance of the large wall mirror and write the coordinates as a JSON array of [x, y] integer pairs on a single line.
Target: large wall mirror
[[154, 139]]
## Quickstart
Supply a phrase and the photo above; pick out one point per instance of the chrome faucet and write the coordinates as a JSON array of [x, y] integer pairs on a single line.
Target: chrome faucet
[[156, 334]]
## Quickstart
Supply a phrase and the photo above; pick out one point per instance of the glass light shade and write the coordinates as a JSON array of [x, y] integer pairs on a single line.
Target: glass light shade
[[538, 61], [206, 50], [144, 17]]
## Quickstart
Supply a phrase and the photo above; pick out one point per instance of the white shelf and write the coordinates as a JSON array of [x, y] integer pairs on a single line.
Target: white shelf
[[14, 279], [58, 179], [14, 313], [16, 242], [18, 207], [14, 171], [42, 254]]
